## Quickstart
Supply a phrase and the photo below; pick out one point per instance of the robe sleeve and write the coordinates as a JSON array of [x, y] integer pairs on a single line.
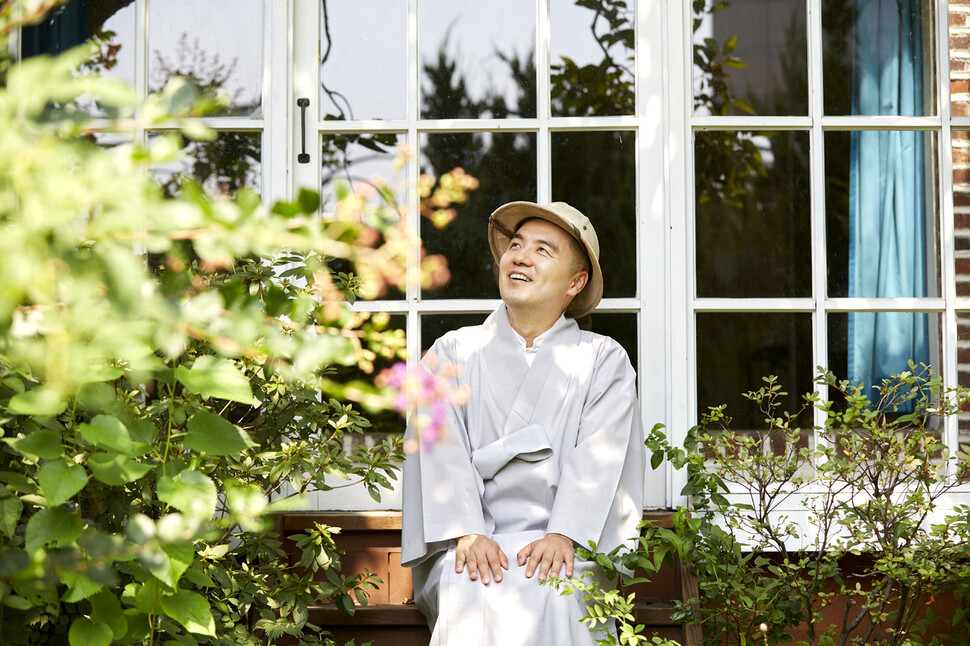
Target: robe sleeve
[[607, 463], [441, 499]]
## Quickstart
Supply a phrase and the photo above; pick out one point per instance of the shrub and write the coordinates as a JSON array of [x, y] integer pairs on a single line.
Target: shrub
[[848, 541], [168, 375]]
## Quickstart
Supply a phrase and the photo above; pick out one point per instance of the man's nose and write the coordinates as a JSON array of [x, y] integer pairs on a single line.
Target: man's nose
[[521, 257]]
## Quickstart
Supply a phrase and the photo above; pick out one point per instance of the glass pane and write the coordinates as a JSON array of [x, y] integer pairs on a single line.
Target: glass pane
[[364, 162], [436, 325], [222, 166], [736, 350], [184, 39], [477, 59], [359, 160], [878, 57], [753, 233], [391, 329], [363, 59], [961, 209], [881, 214], [109, 24], [868, 347], [505, 166], [596, 173], [592, 58], [750, 57], [622, 327]]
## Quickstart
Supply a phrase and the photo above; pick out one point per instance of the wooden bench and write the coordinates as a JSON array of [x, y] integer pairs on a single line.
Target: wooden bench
[[372, 541]]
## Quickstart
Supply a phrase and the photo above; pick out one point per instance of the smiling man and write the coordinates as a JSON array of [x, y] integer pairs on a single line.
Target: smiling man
[[547, 453]]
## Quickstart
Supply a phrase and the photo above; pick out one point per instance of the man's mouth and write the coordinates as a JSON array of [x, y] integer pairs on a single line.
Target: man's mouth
[[515, 276]]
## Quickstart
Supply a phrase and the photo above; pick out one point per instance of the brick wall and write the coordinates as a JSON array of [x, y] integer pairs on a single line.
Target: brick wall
[[960, 106]]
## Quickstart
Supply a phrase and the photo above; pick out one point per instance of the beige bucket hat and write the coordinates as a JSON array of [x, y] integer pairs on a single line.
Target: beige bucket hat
[[505, 220]]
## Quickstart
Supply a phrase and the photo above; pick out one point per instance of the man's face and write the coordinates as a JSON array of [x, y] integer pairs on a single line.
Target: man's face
[[538, 269]]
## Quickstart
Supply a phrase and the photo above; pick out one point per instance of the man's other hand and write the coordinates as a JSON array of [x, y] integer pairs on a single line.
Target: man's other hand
[[548, 554], [480, 554]]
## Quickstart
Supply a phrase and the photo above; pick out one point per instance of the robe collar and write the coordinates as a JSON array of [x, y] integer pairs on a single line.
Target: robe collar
[[516, 384]]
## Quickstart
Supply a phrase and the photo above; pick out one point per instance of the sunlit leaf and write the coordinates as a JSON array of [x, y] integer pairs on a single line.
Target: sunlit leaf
[[191, 610], [191, 492]]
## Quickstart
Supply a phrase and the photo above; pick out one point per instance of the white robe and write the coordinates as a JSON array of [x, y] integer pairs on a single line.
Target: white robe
[[555, 447]]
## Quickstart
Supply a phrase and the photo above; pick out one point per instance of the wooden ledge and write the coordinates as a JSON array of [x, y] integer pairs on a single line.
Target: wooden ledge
[[408, 615], [354, 521], [391, 520]]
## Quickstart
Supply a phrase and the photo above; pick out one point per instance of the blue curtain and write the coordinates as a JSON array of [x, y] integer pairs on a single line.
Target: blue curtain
[[887, 219]]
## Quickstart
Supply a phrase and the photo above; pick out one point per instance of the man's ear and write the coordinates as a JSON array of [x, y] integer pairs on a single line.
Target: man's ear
[[579, 281]]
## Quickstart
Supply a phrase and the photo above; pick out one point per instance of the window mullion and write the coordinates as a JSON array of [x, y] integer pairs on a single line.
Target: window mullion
[[816, 109], [950, 368], [543, 143], [413, 169]]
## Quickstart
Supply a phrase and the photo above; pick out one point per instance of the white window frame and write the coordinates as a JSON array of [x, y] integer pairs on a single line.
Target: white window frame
[[816, 124], [650, 299]]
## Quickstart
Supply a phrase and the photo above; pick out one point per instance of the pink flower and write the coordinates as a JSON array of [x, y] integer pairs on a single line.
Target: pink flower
[[427, 392]]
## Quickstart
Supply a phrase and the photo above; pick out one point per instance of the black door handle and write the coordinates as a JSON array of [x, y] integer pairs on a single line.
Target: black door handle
[[304, 103]]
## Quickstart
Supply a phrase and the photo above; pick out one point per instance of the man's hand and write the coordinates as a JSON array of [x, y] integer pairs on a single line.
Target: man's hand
[[548, 554], [481, 554]]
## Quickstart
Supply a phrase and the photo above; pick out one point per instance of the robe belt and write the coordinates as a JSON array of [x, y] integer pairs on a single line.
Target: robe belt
[[529, 443]]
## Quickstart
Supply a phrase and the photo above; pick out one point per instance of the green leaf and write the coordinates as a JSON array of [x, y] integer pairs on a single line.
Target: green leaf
[[309, 200], [41, 401], [174, 560], [106, 432], [42, 443], [60, 480], [191, 492], [79, 586], [116, 470], [191, 610], [106, 609], [210, 433], [52, 526], [85, 632], [148, 596], [10, 510], [215, 377]]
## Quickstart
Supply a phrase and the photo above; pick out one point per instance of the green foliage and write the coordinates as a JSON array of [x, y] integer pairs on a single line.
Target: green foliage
[[845, 542], [167, 376]]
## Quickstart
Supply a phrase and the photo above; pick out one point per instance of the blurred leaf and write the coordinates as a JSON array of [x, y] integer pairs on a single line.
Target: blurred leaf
[[41, 401], [215, 377]]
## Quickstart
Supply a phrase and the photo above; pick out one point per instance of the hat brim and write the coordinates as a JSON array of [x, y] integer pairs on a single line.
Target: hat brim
[[506, 220]]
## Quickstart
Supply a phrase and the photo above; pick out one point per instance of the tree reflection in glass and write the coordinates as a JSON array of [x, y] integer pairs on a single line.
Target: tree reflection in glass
[[505, 166], [223, 55], [745, 66], [593, 58]]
